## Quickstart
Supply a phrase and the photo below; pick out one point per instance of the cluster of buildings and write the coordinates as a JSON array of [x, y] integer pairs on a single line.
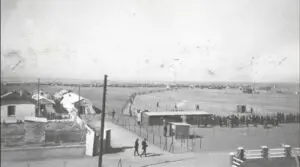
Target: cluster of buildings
[[19, 104]]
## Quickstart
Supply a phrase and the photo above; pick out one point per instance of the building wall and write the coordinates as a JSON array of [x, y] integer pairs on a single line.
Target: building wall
[[182, 132], [49, 108], [22, 110]]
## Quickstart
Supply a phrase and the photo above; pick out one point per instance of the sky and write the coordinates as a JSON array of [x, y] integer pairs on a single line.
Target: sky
[[160, 40]]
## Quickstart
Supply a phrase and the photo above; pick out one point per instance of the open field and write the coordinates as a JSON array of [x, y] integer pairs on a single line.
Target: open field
[[221, 102]]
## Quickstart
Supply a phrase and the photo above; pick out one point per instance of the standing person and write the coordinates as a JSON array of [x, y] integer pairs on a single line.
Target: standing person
[[165, 130], [139, 117], [113, 114], [220, 122], [144, 147], [247, 121], [136, 147], [265, 123], [197, 107]]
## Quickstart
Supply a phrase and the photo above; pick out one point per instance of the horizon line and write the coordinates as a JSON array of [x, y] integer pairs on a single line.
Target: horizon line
[[21, 79]]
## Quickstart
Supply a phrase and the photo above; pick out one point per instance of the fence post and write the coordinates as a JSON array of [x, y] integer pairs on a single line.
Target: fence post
[[287, 151], [166, 143], [231, 155], [147, 132], [153, 138], [193, 145], [5, 133], [265, 152], [159, 129], [241, 153], [140, 130], [159, 141], [187, 145], [200, 142], [172, 145]]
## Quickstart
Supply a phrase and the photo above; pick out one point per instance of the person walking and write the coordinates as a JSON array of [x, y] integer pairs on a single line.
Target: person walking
[[136, 147], [144, 147]]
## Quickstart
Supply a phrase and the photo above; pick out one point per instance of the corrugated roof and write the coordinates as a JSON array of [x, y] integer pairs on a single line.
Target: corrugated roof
[[46, 101], [6, 94], [7, 102], [16, 98], [176, 113]]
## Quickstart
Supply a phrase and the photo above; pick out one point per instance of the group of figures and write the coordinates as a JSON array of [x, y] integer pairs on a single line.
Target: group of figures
[[275, 120], [144, 148]]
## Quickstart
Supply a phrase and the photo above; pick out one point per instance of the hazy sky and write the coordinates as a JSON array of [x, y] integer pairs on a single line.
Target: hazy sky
[[191, 40]]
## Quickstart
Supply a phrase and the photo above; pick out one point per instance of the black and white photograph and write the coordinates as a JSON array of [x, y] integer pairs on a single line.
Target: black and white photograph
[[150, 83]]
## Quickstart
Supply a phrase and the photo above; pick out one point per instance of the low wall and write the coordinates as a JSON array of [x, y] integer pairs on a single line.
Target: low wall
[[60, 120], [276, 162], [35, 132], [64, 136], [42, 153]]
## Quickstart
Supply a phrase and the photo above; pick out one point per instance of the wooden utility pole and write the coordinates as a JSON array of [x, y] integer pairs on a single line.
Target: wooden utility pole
[[102, 121], [38, 100], [79, 106]]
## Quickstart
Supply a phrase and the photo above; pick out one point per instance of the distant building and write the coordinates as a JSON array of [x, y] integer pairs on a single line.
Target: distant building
[[41, 95], [15, 106], [84, 106], [59, 95], [46, 106], [71, 101]]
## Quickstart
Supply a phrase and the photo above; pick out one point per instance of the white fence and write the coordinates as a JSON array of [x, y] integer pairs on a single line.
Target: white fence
[[242, 155], [61, 120], [35, 119], [296, 151]]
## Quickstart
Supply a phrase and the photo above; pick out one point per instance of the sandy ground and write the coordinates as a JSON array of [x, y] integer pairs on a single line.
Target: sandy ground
[[220, 102]]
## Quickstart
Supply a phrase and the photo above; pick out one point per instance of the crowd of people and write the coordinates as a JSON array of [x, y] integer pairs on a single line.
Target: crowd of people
[[236, 121]]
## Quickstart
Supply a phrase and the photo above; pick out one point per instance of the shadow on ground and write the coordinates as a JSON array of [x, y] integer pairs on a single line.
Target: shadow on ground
[[117, 150], [153, 154]]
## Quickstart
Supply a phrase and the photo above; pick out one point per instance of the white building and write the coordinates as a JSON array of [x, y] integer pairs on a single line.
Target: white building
[[58, 95], [74, 103], [16, 106], [40, 95]]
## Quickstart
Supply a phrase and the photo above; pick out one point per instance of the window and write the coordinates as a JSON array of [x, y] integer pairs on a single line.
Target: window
[[11, 111], [43, 107], [82, 110]]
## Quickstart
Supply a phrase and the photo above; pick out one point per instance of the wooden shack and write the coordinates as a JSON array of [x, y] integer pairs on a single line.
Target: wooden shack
[[180, 130], [192, 117]]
